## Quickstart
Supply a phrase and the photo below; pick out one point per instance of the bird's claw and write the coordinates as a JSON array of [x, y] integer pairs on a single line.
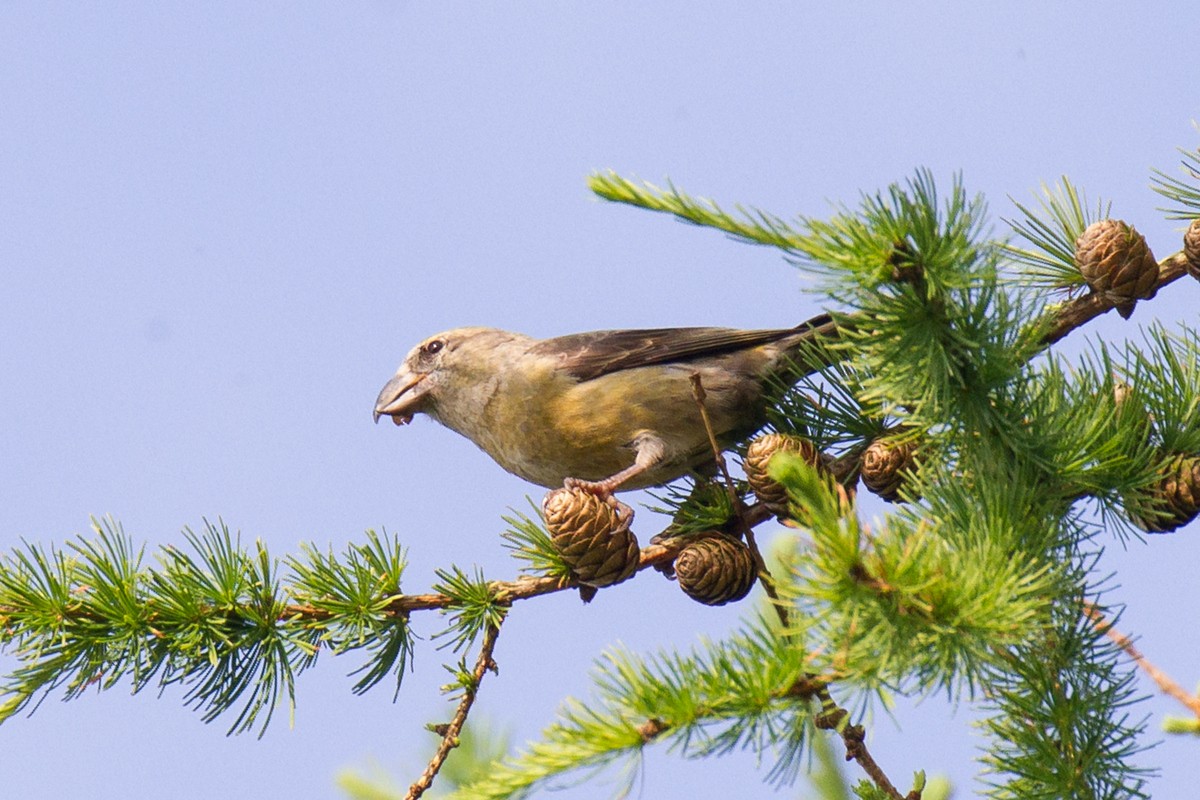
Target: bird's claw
[[598, 488], [604, 491]]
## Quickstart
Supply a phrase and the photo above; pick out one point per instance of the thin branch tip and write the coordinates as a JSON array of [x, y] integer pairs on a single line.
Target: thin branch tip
[[450, 732]]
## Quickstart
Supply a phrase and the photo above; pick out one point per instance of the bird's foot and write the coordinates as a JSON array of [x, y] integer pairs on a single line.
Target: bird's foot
[[604, 490]]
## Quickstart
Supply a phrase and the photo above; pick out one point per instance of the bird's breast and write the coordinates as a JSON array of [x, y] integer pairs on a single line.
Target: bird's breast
[[545, 426]]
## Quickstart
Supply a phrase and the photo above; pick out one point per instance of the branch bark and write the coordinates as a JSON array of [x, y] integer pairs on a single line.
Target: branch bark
[[1082, 310]]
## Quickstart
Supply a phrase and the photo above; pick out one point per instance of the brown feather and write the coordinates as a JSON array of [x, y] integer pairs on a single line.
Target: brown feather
[[589, 355]]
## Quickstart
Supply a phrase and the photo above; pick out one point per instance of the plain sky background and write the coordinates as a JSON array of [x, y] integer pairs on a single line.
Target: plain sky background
[[222, 225]]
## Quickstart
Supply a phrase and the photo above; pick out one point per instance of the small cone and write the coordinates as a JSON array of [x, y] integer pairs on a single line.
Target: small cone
[[758, 457], [1117, 263], [716, 570], [592, 535], [1177, 496], [884, 464], [1191, 248]]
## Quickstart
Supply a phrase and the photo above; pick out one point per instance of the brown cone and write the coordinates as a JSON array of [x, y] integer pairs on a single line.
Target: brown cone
[[1191, 248], [758, 457], [1117, 263], [716, 570], [1177, 496], [884, 464], [592, 536]]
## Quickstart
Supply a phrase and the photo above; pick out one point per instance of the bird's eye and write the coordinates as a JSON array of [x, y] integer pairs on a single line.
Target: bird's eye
[[433, 347]]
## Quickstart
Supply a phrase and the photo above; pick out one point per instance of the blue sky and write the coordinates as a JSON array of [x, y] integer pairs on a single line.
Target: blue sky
[[224, 224]]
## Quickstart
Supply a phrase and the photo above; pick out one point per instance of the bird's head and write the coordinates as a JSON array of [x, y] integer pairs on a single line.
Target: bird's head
[[457, 366]]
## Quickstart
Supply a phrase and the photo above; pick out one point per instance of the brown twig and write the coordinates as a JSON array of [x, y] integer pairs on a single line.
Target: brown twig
[[1082, 310], [739, 507], [522, 588], [855, 739], [1165, 682], [450, 735], [718, 453], [833, 717]]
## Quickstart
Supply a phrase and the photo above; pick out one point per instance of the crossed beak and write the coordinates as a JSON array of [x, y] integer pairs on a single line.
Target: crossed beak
[[400, 397]]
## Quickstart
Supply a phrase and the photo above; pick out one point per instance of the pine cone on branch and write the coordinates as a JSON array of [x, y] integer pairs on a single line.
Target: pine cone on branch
[[1116, 262], [593, 537], [716, 569], [1191, 248], [885, 464], [758, 458]]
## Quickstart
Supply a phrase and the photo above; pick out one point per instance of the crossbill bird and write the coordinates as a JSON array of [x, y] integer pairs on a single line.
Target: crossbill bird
[[604, 411]]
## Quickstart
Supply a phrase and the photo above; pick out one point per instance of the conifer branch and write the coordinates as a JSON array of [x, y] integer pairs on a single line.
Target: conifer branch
[[684, 700], [853, 736], [749, 225], [219, 622], [1063, 320], [1082, 310], [522, 588], [807, 240]]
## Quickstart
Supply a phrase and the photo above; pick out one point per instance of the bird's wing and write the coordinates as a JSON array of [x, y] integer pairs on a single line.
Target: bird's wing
[[590, 355]]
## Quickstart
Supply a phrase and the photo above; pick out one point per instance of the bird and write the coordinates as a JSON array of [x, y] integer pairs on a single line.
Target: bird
[[604, 411]]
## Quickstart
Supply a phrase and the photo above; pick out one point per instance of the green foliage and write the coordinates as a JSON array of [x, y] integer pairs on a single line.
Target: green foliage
[[1184, 193], [352, 599], [825, 405], [474, 607], [1165, 377], [748, 225], [724, 696], [900, 605], [1182, 725], [530, 542], [904, 242], [698, 504], [214, 619], [865, 790], [971, 590], [1053, 228], [1075, 692], [942, 337], [1090, 433]]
